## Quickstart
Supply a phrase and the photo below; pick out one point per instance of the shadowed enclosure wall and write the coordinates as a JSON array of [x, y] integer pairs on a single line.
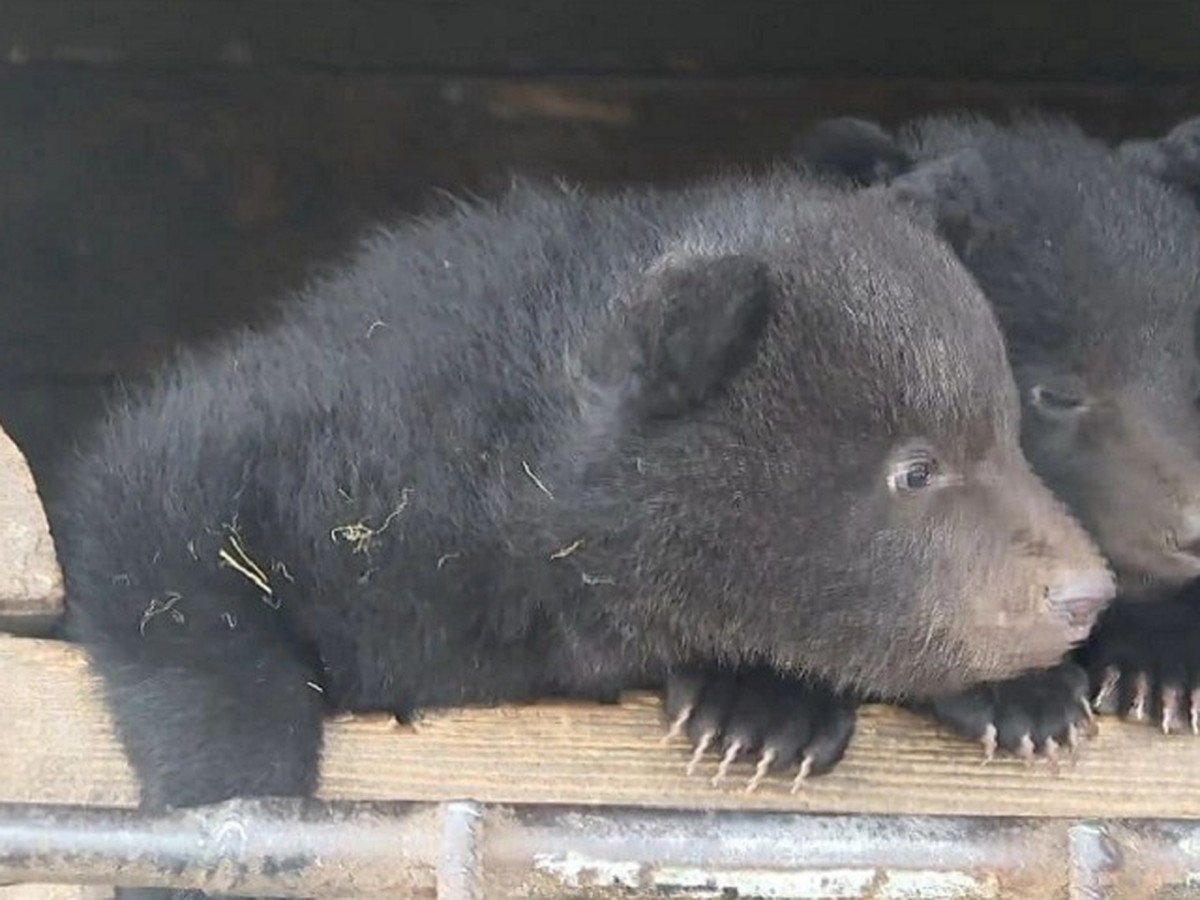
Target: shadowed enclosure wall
[[169, 168]]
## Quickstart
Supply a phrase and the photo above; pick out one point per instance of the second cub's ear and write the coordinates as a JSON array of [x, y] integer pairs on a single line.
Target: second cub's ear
[[682, 332], [855, 149], [1174, 159], [952, 194]]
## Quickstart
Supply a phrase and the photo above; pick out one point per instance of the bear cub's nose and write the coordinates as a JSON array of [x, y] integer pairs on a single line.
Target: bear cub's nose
[[1079, 596]]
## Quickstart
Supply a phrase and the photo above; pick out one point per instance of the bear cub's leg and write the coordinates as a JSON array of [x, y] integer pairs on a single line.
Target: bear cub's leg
[[778, 721], [206, 717]]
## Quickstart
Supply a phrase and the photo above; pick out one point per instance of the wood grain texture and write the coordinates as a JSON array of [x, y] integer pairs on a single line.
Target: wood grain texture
[[59, 748], [31, 585], [54, 892]]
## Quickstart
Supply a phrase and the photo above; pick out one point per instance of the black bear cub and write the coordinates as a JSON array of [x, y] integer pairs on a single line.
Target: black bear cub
[[730, 439], [1093, 269], [1147, 654]]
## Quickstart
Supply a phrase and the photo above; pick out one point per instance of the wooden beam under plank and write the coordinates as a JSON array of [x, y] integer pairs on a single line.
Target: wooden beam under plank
[[58, 747]]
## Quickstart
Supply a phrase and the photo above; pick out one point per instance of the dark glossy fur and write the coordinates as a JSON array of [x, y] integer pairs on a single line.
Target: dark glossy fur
[[1154, 646], [1094, 271], [1173, 158], [561, 445]]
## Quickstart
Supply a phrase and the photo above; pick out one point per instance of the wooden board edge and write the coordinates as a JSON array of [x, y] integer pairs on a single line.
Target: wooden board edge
[[59, 748]]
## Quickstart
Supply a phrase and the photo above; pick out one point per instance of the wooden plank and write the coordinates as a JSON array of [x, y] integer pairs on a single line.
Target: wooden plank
[[54, 892], [59, 748], [935, 38], [140, 210], [44, 417], [31, 585]]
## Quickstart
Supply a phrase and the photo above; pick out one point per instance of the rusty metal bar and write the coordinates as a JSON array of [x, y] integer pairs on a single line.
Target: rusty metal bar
[[272, 846], [774, 855], [1154, 858], [468, 851], [460, 865], [1094, 862]]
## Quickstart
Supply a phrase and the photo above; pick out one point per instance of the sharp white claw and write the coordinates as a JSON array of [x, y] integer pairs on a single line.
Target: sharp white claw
[[1072, 738], [1090, 726], [760, 771], [1050, 750], [1088, 712], [1112, 677], [702, 746], [989, 744], [1170, 706], [805, 769], [726, 761], [1025, 750], [677, 725], [1137, 709]]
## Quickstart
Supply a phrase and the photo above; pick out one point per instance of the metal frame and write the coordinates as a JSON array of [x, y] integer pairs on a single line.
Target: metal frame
[[468, 851]]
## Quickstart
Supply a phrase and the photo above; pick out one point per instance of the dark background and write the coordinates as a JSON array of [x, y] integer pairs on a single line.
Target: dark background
[[169, 168]]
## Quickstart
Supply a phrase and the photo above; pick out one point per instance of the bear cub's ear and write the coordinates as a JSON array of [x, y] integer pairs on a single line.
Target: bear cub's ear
[[1174, 159], [688, 326], [851, 148]]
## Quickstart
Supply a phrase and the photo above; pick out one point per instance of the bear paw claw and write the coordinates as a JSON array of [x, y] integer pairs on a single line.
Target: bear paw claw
[[1031, 717], [1145, 664], [774, 720], [1170, 711]]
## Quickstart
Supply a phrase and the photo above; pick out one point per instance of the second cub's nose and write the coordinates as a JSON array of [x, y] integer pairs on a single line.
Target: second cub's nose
[[1188, 535], [1079, 596]]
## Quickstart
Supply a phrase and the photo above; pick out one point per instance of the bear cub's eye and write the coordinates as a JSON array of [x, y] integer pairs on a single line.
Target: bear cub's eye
[[914, 475], [918, 476], [1056, 400]]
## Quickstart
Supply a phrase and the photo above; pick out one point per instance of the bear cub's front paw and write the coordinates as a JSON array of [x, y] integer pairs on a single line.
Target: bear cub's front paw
[[1144, 660], [1034, 714], [757, 713]]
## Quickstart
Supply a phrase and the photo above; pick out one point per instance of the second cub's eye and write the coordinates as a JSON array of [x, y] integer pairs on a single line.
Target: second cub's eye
[[1057, 400]]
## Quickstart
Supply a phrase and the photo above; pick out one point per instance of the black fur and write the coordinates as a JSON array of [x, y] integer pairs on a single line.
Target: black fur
[[852, 149], [563, 445], [1174, 158], [1153, 647], [1094, 271]]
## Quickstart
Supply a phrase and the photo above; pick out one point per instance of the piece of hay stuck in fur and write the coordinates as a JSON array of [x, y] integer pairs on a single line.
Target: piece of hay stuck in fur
[[566, 551], [244, 563], [360, 534]]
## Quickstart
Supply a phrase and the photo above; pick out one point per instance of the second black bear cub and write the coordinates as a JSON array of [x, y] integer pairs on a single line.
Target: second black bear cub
[[1093, 269]]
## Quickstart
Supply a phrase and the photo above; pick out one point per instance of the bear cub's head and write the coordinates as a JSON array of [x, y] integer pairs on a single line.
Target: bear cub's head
[[1093, 269], [828, 473]]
